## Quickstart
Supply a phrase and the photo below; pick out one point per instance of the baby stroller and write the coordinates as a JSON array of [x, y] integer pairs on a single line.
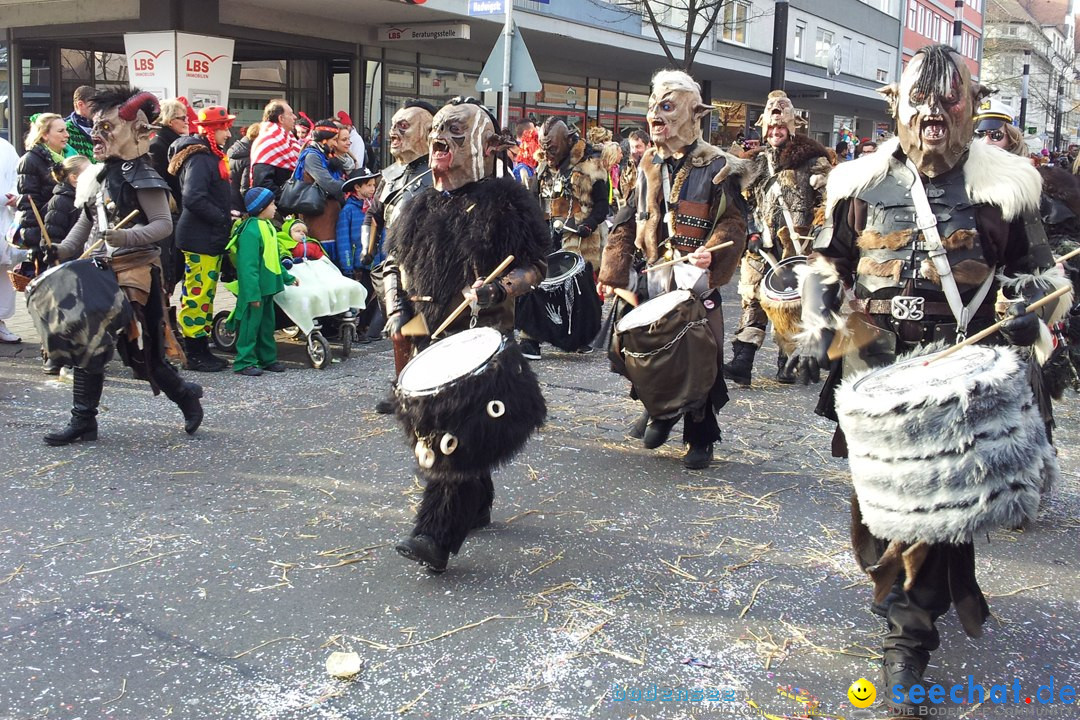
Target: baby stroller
[[325, 303]]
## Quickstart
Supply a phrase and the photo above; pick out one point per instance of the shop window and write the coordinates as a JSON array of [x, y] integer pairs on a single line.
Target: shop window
[[400, 79], [5, 94], [36, 91]]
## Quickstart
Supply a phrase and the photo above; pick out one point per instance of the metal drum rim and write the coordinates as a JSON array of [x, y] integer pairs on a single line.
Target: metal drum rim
[[478, 370], [579, 265]]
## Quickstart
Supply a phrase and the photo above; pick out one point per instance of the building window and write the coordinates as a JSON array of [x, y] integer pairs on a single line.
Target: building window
[[800, 38], [884, 62], [922, 20], [823, 47], [912, 14], [858, 59], [845, 54], [946, 32], [735, 21]]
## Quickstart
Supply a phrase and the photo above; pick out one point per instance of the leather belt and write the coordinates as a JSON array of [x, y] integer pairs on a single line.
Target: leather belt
[[930, 309]]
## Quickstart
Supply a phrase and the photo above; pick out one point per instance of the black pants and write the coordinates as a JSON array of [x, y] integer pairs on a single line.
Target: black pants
[[947, 577], [148, 362], [451, 505]]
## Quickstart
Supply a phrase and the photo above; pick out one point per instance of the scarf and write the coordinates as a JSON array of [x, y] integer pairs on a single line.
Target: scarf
[[274, 147]]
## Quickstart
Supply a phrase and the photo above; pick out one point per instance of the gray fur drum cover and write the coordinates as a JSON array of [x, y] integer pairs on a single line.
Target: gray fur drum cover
[[78, 310], [940, 452]]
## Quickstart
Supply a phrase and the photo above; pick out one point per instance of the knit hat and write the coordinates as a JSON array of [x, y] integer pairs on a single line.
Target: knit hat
[[257, 199], [343, 118]]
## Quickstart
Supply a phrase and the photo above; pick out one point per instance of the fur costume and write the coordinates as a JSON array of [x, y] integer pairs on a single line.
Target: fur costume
[[710, 162], [443, 243], [949, 457], [584, 169]]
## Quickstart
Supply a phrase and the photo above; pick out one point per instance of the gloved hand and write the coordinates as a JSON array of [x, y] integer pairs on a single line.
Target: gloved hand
[[117, 238], [394, 323], [1020, 327], [809, 357], [584, 230], [49, 255], [487, 295], [367, 259], [287, 263], [755, 244]]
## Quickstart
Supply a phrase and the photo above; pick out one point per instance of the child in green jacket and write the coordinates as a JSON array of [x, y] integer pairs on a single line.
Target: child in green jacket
[[259, 278]]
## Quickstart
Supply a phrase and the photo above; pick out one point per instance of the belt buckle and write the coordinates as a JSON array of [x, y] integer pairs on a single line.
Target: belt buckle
[[907, 307]]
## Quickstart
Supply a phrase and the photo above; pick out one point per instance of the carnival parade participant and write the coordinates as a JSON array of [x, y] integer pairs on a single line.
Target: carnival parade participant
[[407, 177], [704, 209], [784, 188], [924, 231], [445, 239], [124, 184], [572, 186]]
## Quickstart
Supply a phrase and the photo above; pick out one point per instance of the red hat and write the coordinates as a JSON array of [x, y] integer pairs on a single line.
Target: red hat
[[344, 117], [213, 117]]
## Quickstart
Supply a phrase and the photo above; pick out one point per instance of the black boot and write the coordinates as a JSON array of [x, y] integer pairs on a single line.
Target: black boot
[[189, 404], [903, 669], [387, 405], [83, 423], [422, 549], [199, 357], [637, 430], [782, 375], [657, 432], [483, 515], [742, 362], [698, 457]]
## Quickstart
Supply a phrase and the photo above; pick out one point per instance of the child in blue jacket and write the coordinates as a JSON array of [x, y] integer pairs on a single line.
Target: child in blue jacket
[[358, 189]]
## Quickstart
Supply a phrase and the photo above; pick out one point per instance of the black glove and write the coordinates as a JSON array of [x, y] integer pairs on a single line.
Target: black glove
[[368, 259], [49, 255], [1020, 327], [394, 323], [755, 244], [584, 230], [491, 294]]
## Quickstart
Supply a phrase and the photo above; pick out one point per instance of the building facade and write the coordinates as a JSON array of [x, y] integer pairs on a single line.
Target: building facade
[[594, 58], [933, 21]]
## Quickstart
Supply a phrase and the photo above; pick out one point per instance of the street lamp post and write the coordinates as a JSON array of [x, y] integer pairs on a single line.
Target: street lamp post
[[779, 45]]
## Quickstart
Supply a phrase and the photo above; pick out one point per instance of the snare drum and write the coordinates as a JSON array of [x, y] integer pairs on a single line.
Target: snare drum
[[944, 451], [669, 353], [781, 301], [469, 403], [78, 309], [565, 309]]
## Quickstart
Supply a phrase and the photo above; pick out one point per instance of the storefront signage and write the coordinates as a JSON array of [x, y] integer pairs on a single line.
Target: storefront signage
[[425, 31], [486, 7], [173, 64]]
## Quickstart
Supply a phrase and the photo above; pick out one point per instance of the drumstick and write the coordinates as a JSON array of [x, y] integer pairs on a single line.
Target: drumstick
[[40, 222], [466, 302], [1067, 256], [686, 258], [770, 259], [117, 226], [997, 326]]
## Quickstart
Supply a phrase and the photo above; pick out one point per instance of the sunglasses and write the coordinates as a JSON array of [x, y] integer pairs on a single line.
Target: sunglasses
[[995, 135]]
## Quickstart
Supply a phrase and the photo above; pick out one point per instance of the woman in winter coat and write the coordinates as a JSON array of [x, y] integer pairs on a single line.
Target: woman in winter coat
[[174, 122], [320, 164], [61, 214], [203, 230], [46, 146], [240, 165]]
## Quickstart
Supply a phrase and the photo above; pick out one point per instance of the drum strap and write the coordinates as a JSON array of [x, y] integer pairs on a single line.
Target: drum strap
[[926, 221], [670, 344]]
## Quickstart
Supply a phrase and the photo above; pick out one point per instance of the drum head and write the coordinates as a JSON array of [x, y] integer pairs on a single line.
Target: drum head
[[459, 355], [649, 312], [562, 265], [782, 283], [899, 379]]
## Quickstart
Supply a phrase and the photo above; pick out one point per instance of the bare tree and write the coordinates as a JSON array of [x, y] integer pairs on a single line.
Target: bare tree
[[693, 23]]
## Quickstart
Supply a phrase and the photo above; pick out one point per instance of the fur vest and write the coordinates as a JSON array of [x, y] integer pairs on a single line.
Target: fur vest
[[584, 170], [708, 165]]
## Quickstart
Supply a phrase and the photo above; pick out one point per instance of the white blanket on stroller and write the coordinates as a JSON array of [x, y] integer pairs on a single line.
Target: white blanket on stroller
[[323, 291]]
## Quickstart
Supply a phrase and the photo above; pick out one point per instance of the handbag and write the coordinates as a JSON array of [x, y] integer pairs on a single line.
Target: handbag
[[301, 198]]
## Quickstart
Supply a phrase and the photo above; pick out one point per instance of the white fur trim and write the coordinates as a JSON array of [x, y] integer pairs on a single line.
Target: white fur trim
[[814, 324], [991, 176], [1044, 346], [1050, 280], [88, 185]]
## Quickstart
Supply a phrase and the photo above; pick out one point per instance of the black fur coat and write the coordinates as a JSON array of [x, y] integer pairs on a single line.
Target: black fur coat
[[443, 242]]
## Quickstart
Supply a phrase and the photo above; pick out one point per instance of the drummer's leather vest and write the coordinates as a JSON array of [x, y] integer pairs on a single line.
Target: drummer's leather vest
[[694, 215], [557, 193], [400, 183], [122, 179], [893, 255]]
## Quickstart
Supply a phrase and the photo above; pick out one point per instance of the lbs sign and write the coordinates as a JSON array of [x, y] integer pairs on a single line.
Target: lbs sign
[[173, 64]]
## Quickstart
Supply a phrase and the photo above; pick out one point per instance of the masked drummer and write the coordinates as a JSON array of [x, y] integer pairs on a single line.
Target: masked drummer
[[690, 201], [124, 183], [784, 188], [979, 204], [407, 177], [445, 239], [572, 187]]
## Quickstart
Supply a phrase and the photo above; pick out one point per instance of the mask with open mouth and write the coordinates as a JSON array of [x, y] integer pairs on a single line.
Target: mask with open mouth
[[409, 129], [933, 106], [461, 143], [122, 125], [675, 112]]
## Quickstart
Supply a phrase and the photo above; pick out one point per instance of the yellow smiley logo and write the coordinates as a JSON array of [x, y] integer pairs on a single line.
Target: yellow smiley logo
[[862, 693]]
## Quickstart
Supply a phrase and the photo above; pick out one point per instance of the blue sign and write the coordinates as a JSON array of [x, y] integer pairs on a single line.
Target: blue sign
[[486, 7]]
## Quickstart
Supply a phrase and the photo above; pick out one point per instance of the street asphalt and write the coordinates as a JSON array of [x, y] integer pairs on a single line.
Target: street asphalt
[[151, 574]]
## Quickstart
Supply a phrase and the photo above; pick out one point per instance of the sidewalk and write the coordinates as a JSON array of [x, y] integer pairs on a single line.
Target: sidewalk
[[30, 347]]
